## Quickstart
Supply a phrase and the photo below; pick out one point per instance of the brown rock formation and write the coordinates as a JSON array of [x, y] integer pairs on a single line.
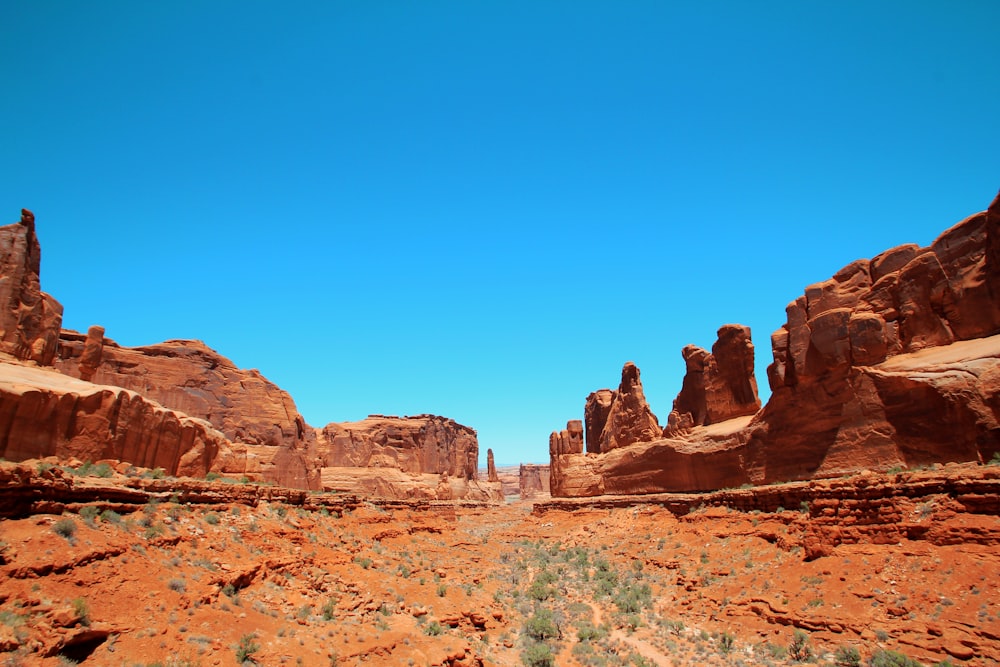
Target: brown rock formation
[[569, 441], [421, 444], [29, 318], [93, 350], [190, 377], [629, 418], [423, 456], [533, 481], [719, 385], [491, 467], [595, 416], [45, 413], [894, 361]]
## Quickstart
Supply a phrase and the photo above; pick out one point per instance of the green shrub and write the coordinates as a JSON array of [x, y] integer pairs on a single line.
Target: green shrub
[[539, 655], [246, 648], [883, 658], [433, 629], [82, 610], [799, 649], [847, 656], [88, 513], [212, 519], [65, 527], [329, 610], [541, 625]]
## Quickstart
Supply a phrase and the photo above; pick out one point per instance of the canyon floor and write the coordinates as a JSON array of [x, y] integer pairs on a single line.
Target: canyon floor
[[219, 575]]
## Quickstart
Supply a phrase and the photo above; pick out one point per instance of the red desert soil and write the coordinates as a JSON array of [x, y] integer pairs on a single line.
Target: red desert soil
[[191, 576]]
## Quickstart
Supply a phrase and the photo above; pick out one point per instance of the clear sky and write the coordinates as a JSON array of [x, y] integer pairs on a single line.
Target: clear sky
[[482, 209]]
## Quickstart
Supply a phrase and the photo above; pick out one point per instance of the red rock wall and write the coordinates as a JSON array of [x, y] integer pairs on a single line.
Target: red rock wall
[[719, 385], [190, 377], [29, 319], [893, 361], [533, 481], [43, 413], [424, 444]]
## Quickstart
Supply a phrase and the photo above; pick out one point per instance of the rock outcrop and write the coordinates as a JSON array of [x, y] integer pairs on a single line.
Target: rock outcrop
[[491, 467], [567, 442], [717, 386], [44, 413], [29, 318], [190, 377], [382, 453], [595, 417], [625, 418], [893, 361], [533, 481]]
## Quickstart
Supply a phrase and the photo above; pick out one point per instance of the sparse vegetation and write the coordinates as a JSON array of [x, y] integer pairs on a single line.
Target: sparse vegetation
[[246, 648], [65, 527]]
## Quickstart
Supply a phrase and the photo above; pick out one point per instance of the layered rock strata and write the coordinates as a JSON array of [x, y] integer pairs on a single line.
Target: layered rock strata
[[533, 481], [44, 413], [718, 385], [423, 456], [190, 377], [29, 318], [894, 361]]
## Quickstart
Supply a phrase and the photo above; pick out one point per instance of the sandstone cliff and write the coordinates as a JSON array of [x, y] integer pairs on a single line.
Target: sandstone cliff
[[190, 377], [893, 361], [29, 318], [533, 481], [44, 413], [717, 386], [383, 452]]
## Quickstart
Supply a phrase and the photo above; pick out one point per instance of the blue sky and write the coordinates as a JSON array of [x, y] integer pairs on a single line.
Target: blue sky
[[481, 209]]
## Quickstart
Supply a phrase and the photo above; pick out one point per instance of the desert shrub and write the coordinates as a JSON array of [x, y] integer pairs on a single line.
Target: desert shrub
[[884, 658], [538, 654], [329, 610], [541, 625], [82, 610], [799, 649], [177, 585], [433, 629], [212, 519], [726, 643], [442, 590], [111, 516], [587, 632], [246, 648], [65, 528], [88, 513], [847, 656]]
